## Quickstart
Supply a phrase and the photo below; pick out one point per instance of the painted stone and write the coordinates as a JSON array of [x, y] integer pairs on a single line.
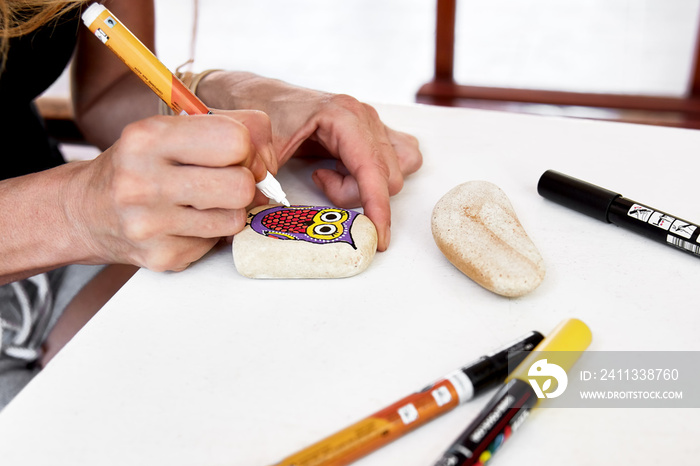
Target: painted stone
[[304, 242], [476, 228]]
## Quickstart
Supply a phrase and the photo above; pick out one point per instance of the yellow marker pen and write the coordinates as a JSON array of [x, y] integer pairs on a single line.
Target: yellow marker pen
[[511, 405], [162, 81]]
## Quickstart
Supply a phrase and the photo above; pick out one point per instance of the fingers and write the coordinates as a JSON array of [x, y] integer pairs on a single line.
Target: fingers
[[341, 189], [141, 226], [241, 138], [179, 254], [171, 187], [174, 241], [375, 158], [345, 191], [407, 152], [206, 188], [259, 130], [203, 140]]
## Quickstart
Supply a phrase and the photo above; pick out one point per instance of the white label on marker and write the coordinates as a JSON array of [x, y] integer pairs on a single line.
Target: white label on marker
[[687, 245], [660, 220], [442, 395], [640, 212], [101, 35], [408, 413], [463, 386], [683, 229]]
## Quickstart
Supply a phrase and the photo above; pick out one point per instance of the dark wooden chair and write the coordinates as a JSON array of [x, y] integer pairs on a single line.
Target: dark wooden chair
[[443, 90]]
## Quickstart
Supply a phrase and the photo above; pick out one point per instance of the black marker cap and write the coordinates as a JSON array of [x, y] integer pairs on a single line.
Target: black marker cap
[[491, 370], [576, 194]]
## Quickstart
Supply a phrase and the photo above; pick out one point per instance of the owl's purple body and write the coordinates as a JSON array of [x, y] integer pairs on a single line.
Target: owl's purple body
[[313, 224]]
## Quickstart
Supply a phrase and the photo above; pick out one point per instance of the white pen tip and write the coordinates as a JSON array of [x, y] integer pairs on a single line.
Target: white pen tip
[[272, 189]]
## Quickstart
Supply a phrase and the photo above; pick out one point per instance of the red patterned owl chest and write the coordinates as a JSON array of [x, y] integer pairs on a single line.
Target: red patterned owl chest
[[292, 221]]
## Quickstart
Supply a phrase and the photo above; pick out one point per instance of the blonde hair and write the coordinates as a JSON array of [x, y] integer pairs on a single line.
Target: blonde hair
[[20, 17]]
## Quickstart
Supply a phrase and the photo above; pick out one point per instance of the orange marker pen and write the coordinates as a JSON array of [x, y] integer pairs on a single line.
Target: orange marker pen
[[413, 411], [156, 75]]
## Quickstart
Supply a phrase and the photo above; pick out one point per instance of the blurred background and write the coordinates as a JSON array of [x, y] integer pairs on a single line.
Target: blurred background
[[382, 51]]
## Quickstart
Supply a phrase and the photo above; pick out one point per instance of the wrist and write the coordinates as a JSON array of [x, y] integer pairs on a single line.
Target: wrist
[[79, 210], [218, 89], [39, 232], [240, 90]]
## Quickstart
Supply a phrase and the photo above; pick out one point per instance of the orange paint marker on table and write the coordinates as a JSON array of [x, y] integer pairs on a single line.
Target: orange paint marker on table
[[413, 411], [156, 75]]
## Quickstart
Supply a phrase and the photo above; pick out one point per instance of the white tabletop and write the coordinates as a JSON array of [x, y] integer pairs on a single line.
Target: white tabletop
[[205, 367]]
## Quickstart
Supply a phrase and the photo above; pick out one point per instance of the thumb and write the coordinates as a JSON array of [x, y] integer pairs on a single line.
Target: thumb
[[260, 130]]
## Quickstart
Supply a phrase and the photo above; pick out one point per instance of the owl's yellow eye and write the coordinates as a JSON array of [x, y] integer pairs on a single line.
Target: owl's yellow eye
[[327, 229], [328, 224], [331, 216]]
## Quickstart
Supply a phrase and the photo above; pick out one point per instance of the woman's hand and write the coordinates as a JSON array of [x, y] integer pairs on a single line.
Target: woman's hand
[[168, 190], [373, 160]]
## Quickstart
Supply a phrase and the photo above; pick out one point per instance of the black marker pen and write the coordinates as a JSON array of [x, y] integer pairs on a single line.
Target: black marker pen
[[611, 207]]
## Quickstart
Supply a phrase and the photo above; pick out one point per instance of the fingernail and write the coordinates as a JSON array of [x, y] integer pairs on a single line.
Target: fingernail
[[273, 159], [384, 244]]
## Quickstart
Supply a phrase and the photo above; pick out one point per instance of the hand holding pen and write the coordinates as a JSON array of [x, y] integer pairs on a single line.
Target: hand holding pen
[[181, 100], [168, 190], [372, 159]]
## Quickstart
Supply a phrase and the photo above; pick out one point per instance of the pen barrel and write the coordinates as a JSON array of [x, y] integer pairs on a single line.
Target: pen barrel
[[502, 416], [142, 61], [576, 194], [611, 207], [656, 225], [380, 428]]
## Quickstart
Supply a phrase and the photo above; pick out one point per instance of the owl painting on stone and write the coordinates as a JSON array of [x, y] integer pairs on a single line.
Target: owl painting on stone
[[313, 224]]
